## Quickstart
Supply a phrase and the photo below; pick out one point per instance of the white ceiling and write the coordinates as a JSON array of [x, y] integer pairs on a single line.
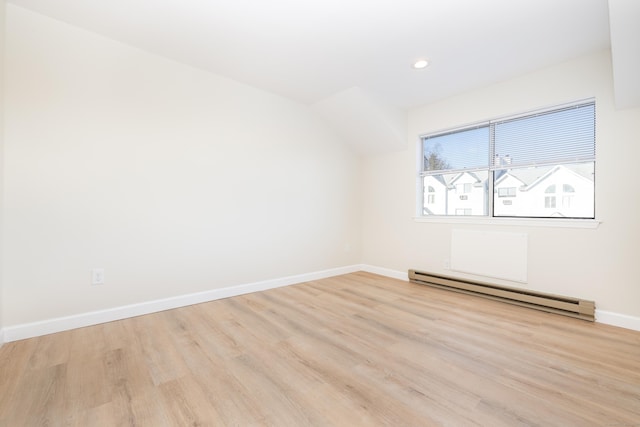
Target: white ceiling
[[350, 60], [309, 50]]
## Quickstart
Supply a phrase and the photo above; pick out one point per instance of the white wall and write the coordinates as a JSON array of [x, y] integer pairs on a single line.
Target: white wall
[[598, 264], [172, 179], [176, 181]]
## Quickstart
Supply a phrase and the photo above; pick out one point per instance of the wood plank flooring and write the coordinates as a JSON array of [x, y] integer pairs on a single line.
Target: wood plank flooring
[[354, 350]]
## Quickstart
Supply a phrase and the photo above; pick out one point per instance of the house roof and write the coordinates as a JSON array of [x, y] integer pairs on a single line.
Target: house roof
[[453, 178], [581, 170], [530, 177]]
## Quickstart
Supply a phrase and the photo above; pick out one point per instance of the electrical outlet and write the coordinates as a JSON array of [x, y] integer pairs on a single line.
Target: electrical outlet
[[97, 276]]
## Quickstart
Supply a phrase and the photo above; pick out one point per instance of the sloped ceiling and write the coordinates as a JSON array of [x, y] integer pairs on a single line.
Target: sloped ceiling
[[349, 59], [370, 126]]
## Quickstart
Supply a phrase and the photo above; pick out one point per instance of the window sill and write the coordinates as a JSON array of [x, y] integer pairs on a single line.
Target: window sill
[[516, 222]]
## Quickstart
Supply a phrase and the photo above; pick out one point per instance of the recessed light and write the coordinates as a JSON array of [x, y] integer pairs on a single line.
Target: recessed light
[[420, 64]]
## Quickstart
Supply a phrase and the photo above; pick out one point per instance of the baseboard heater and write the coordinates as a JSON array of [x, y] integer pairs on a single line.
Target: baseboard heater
[[573, 307]]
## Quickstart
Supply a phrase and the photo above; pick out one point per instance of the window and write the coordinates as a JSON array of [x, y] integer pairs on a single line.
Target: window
[[431, 197], [550, 202], [537, 159], [463, 211], [463, 188], [567, 197], [507, 192]]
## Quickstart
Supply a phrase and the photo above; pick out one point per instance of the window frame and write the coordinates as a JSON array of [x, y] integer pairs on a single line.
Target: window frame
[[489, 217]]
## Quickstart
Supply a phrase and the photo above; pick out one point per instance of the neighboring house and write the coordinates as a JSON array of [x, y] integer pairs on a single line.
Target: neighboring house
[[463, 193], [541, 192], [507, 194], [467, 195], [563, 191]]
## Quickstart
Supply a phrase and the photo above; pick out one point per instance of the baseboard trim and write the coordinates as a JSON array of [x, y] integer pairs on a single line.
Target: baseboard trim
[[616, 319], [604, 317], [394, 274], [50, 326]]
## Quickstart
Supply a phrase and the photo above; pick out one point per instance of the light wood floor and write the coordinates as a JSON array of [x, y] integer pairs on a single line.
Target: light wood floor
[[355, 350]]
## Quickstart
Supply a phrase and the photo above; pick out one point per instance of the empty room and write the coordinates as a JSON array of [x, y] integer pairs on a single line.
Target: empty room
[[319, 213]]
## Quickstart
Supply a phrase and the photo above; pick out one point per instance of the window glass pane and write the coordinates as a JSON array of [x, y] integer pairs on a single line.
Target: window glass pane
[[550, 202], [458, 150], [536, 187], [450, 197]]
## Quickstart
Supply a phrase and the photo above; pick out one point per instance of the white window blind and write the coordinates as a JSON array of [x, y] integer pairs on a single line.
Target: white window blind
[[560, 136]]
